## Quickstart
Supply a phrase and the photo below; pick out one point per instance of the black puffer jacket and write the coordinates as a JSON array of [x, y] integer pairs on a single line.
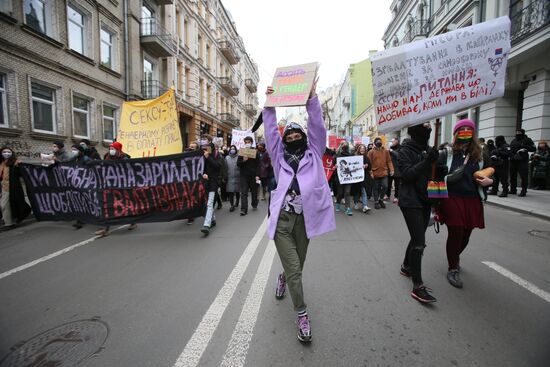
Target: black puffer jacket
[[415, 172]]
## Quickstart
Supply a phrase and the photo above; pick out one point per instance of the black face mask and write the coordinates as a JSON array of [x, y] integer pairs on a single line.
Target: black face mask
[[491, 144], [378, 144], [295, 145], [421, 135], [519, 136]]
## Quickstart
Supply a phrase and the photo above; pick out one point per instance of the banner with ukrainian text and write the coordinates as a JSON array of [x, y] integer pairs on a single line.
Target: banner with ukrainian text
[[440, 75], [150, 128], [156, 189]]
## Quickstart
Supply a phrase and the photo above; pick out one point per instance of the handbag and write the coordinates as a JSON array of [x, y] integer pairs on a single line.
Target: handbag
[[457, 174]]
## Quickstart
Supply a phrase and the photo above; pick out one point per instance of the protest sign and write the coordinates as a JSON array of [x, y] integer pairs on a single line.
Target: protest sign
[[350, 169], [237, 138], [107, 192], [443, 74], [328, 165], [292, 85], [365, 140], [248, 152], [150, 128]]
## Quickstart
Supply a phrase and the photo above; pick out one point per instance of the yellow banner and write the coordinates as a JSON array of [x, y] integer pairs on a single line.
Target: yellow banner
[[150, 128]]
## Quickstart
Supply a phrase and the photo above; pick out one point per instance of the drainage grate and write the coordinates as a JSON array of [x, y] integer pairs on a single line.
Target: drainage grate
[[540, 234], [67, 345]]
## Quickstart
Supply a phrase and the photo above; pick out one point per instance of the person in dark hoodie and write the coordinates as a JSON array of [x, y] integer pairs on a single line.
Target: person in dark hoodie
[[12, 201], [415, 162], [500, 158], [89, 151], [212, 170], [249, 175], [519, 161]]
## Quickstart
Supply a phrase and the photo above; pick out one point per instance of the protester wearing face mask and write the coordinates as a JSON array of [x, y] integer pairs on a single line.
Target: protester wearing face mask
[[539, 163], [519, 161], [233, 186], [89, 151], [500, 159], [415, 164], [462, 211], [250, 171], [193, 147], [344, 190], [381, 167], [59, 153], [12, 202], [212, 171], [115, 153], [78, 154], [301, 206]]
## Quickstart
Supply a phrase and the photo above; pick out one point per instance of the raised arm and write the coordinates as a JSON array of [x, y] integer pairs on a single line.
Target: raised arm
[[316, 131]]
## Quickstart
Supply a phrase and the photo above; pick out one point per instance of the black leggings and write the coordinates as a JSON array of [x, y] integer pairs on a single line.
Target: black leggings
[[417, 220]]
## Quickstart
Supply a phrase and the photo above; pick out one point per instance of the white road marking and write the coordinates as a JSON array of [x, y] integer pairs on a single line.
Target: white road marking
[[516, 279], [51, 256], [237, 349], [196, 346]]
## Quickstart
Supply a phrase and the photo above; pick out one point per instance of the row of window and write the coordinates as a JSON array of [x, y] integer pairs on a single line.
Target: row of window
[[44, 117]]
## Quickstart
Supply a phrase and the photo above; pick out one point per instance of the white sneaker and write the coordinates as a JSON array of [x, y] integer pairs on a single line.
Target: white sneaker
[[356, 206], [366, 209]]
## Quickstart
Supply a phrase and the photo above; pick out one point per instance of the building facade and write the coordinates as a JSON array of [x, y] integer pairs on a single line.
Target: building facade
[[526, 103], [66, 67]]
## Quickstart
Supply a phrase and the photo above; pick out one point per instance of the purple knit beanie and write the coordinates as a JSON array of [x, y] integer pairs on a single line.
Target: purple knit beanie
[[463, 123]]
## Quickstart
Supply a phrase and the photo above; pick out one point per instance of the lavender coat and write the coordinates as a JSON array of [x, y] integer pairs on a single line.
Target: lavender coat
[[317, 202]]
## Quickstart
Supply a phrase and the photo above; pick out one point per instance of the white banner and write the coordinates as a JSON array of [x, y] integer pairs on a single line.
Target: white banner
[[237, 138], [439, 75], [350, 169]]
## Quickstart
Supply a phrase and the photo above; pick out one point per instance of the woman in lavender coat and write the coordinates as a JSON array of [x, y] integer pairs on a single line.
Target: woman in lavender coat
[[301, 206]]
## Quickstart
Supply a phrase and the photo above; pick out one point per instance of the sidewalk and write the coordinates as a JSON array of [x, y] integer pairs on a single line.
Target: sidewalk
[[536, 203]]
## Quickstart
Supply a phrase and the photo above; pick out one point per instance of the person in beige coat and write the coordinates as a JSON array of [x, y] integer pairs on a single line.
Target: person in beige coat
[[382, 166]]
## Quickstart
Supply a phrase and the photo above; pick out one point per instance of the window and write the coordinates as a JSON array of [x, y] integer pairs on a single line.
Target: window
[[107, 54], [186, 32], [109, 126], [3, 101], [208, 97], [199, 43], [76, 23], [187, 82], [207, 56], [179, 77], [43, 108], [201, 92], [35, 15], [81, 116], [147, 20]]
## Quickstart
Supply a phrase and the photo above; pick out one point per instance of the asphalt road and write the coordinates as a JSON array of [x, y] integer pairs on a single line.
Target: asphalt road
[[162, 295]]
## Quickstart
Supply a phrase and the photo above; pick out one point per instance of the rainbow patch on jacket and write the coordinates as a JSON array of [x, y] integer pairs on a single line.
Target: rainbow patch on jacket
[[437, 190]]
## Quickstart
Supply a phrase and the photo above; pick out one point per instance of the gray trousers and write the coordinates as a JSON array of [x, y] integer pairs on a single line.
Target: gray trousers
[[379, 188], [6, 208], [291, 243]]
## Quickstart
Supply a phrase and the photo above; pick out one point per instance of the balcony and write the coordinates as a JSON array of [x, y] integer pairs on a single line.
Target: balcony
[[251, 85], [157, 40], [529, 20], [152, 89], [229, 119], [250, 110], [164, 2], [229, 85], [228, 50], [417, 29]]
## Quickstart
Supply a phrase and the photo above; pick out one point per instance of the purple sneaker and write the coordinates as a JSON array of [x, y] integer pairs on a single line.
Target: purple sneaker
[[281, 286], [304, 329]]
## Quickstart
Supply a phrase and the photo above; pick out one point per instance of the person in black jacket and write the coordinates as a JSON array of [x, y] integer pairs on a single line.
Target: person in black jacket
[[212, 171], [415, 162], [249, 175], [519, 161], [89, 150], [500, 158], [395, 179]]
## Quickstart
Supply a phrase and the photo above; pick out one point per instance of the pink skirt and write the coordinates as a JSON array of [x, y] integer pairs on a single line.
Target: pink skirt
[[462, 212]]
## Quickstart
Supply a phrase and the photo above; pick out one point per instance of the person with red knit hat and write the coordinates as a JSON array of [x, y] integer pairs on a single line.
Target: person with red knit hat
[[463, 210], [115, 154]]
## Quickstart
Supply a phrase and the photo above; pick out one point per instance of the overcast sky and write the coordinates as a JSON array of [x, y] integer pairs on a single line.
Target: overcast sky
[[288, 32]]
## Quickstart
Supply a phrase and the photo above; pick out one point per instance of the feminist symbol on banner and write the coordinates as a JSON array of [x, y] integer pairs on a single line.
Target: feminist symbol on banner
[[496, 63]]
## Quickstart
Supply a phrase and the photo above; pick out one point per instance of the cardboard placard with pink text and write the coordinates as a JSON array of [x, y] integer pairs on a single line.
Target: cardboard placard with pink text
[[292, 85]]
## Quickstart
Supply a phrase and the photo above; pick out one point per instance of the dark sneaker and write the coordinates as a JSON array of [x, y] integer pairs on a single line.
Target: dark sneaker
[[453, 276], [405, 271], [522, 194], [190, 221], [513, 192], [213, 224], [77, 225], [422, 294], [304, 329], [281, 286], [382, 205], [132, 226], [243, 212], [232, 209], [205, 230], [503, 195], [376, 205]]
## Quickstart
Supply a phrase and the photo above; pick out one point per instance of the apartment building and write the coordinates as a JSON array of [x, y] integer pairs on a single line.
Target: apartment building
[[66, 67], [527, 97]]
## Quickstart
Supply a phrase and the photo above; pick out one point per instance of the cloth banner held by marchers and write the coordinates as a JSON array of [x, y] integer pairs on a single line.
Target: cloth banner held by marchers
[[156, 189], [150, 128], [440, 75], [292, 85], [350, 169]]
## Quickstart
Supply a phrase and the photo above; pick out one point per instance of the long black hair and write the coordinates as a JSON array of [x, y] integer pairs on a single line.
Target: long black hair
[[10, 161]]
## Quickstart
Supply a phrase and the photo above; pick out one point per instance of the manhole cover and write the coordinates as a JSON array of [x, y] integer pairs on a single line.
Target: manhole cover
[[541, 234], [63, 346]]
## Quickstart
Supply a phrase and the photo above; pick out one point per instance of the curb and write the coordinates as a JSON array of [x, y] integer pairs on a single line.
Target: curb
[[519, 210]]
